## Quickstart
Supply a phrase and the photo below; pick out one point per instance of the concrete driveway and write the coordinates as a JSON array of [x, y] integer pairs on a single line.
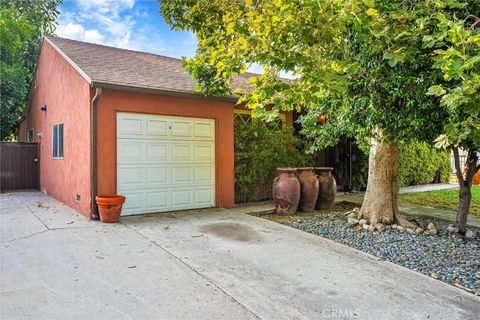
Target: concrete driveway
[[208, 264]]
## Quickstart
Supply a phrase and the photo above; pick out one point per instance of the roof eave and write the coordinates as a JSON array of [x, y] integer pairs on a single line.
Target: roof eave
[[159, 91]]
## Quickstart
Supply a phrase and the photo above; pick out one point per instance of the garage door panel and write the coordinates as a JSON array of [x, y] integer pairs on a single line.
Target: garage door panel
[[157, 127], [203, 175], [131, 176], [129, 152], [181, 152], [181, 128], [157, 175], [204, 152], [204, 129], [158, 200], [130, 125], [182, 198], [165, 163], [181, 175], [203, 197], [156, 151], [134, 202]]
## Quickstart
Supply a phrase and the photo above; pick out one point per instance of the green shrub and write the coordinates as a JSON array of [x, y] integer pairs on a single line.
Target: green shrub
[[259, 150], [422, 164], [419, 164]]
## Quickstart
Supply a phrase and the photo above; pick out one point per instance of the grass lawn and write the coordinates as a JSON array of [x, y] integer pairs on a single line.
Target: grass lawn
[[443, 199]]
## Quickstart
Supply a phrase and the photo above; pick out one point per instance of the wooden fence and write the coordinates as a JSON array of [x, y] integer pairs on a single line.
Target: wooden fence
[[19, 166]]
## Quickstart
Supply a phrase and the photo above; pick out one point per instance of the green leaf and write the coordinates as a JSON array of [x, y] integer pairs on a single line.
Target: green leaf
[[436, 90]]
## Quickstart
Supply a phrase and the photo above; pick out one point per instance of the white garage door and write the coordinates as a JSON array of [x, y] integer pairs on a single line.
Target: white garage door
[[165, 163]]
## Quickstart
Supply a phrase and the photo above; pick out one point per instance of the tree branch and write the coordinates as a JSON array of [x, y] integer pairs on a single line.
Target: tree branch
[[471, 166], [458, 170]]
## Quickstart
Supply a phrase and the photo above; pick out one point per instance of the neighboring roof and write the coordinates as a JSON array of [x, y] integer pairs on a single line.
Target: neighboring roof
[[108, 66]]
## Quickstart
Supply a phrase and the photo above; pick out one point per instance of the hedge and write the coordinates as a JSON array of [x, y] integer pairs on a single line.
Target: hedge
[[422, 164], [419, 164]]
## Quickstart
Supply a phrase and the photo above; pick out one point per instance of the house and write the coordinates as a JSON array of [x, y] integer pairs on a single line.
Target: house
[[115, 121]]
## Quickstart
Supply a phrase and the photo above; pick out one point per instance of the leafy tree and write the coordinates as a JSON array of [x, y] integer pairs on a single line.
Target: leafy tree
[[22, 25], [455, 40], [363, 63]]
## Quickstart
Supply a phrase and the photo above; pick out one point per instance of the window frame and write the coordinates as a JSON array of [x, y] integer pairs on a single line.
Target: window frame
[[32, 138], [58, 141]]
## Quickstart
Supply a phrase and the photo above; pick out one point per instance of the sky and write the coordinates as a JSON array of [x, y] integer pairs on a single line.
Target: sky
[[129, 24]]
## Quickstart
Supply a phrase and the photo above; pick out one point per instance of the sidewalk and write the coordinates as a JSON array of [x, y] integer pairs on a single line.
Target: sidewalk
[[428, 187]]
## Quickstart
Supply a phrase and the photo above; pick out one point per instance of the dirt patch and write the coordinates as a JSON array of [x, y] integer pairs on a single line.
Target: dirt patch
[[231, 231]]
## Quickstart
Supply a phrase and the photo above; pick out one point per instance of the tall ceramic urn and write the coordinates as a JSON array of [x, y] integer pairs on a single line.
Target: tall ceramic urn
[[309, 188], [328, 188], [286, 191]]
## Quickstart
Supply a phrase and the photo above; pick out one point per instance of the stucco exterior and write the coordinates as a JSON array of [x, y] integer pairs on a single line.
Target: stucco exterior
[[67, 96], [113, 101]]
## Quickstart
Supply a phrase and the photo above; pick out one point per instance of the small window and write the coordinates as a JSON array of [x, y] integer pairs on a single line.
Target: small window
[[58, 141], [30, 136]]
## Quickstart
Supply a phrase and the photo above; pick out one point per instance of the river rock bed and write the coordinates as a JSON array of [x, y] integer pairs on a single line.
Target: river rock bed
[[455, 261]]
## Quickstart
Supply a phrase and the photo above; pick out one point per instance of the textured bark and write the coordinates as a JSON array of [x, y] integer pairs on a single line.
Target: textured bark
[[380, 201], [465, 179]]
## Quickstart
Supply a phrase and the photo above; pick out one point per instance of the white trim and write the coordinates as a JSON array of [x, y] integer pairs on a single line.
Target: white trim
[[70, 61], [58, 140], [28, 135]]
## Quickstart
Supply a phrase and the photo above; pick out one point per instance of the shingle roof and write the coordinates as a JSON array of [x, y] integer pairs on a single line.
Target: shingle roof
[[114, 66]]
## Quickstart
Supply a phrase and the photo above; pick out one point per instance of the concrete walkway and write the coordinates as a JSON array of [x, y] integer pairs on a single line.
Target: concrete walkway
[[428, 187], [205, 264]]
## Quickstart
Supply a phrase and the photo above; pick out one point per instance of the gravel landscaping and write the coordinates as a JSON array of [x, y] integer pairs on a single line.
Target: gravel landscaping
[[452, 260]]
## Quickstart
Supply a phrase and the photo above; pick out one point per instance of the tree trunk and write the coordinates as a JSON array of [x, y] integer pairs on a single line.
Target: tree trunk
[[465, 179], [380, 201]]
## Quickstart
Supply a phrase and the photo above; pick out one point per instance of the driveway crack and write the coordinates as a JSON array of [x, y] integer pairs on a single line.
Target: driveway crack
[[196, 271]]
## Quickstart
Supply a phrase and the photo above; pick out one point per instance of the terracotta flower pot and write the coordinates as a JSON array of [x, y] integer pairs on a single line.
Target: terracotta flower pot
[[110, 207], [286, 191], [328, 188], [309, 188]]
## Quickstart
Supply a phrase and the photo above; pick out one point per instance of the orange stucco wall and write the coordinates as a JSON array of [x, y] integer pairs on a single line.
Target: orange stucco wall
[[113, 101], [67, 96]]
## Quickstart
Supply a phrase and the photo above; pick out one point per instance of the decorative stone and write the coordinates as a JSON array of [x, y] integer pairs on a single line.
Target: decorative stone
[[452, 229], [432, 227], [394, 226], [365, 226], [400, 228], [356, 210], [352, 215], [419, 231], [471, 234], [352, 222], [380, 227], [362, 222], [410, 230], [371, 228]]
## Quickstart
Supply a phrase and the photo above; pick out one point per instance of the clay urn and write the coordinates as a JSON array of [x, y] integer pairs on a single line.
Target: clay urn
[[328, 188], [286, 191], [309, 188]]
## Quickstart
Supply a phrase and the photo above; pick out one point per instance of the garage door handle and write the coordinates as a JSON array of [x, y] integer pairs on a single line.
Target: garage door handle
[[36, 160]]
